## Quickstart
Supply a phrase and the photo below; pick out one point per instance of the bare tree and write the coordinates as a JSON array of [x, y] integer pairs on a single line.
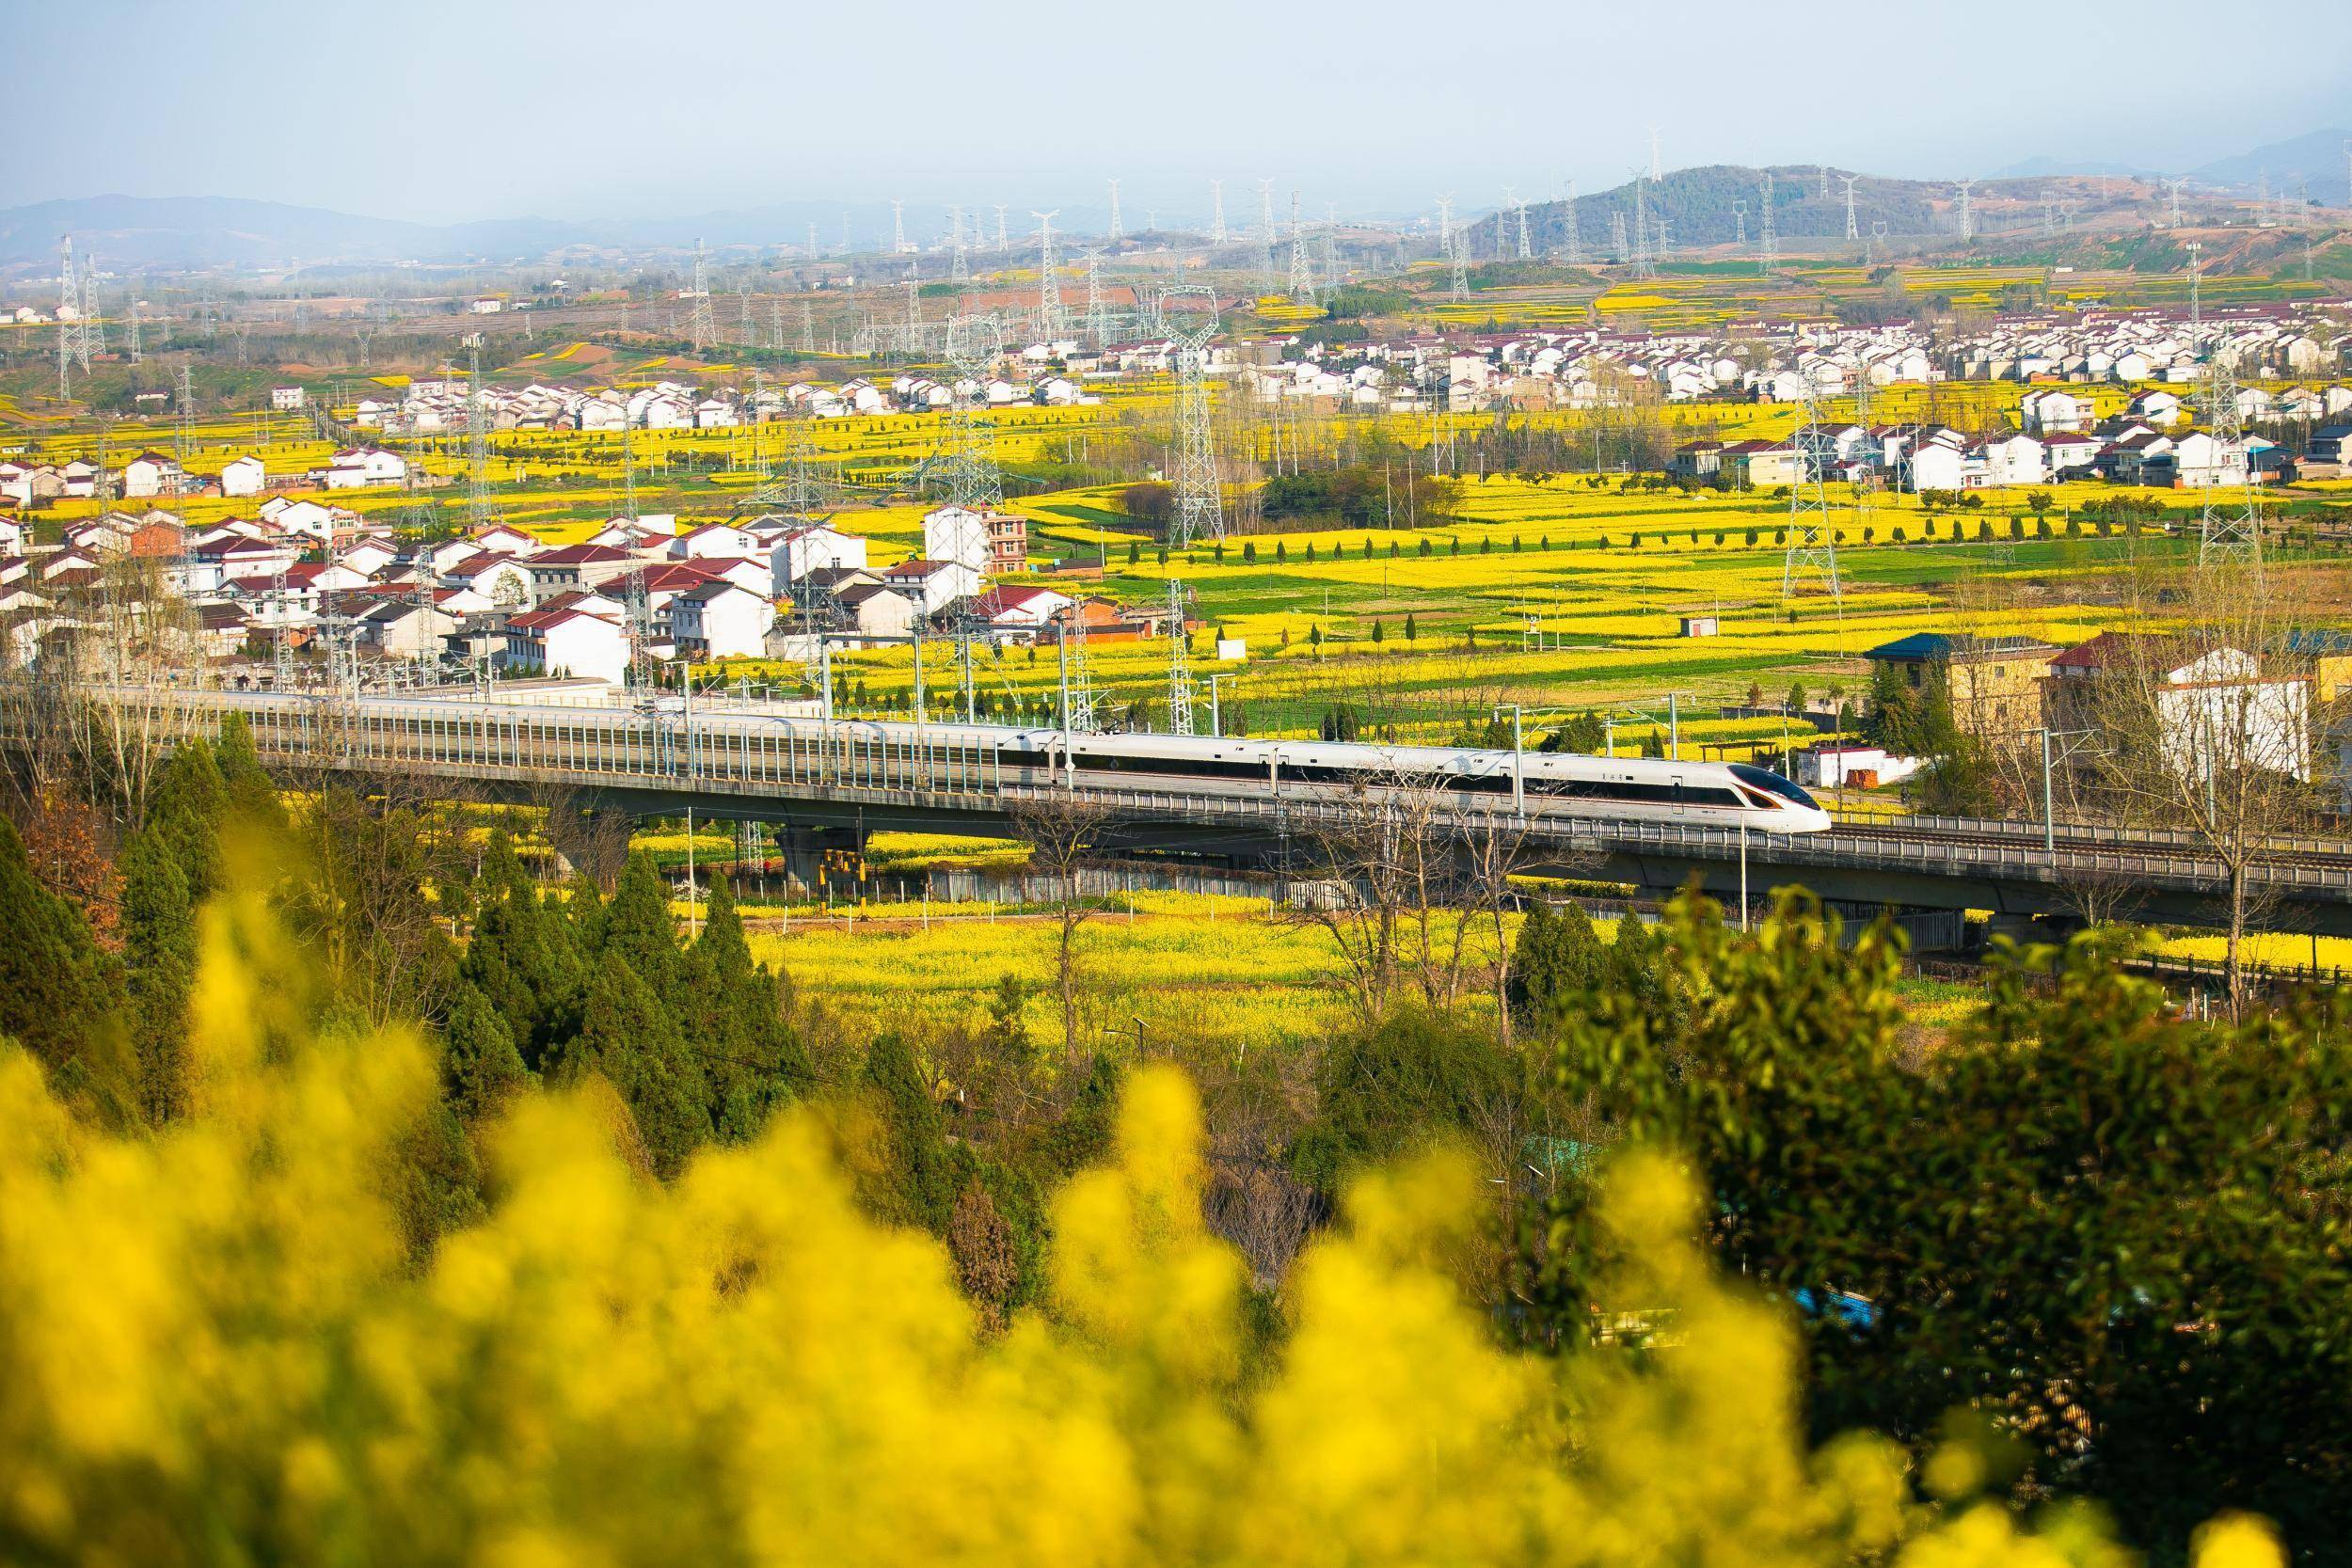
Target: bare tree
[[2206, 723], [115, 677], [1401, 867], [1063, 830]]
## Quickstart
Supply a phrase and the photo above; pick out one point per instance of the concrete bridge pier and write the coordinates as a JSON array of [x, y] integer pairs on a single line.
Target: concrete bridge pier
[[820, 856]]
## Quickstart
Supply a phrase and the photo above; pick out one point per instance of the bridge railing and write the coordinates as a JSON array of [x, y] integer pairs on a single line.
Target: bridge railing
[[851, 761]]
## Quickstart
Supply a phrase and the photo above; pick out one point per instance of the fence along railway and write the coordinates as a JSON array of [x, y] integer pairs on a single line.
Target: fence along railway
[[828, 782]]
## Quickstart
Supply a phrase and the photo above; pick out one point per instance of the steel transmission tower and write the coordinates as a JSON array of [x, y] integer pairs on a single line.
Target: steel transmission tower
[[184, 410], [1179, 662], [2173, 201], [478, 513], [1302, 278], [1115, 231], [1199, 511], [1854, 230], [1642, 267], [93, 330], [700, 328], [966, 462], [1768, 227], [1265, 227], [1812, 534], [1526, 252], [1098, 308], [1740, 220], [73, 322], [1568, 220], [1216, 213], [897, 229], [1048, 285], [2230, 529], [1967, 213]]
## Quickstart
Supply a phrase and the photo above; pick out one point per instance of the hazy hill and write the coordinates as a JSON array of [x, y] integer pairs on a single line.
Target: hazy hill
[[2044, 166], [1698, 208], [2316, 160], [129, 232]]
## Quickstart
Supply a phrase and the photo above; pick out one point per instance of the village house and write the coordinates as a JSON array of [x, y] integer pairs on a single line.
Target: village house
[[242, 476], [566, 641], [719, 620], [1993, 683], [932, 585], [990, 542]]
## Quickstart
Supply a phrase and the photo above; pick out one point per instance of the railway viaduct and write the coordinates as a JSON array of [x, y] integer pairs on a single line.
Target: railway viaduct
[[852, 779]]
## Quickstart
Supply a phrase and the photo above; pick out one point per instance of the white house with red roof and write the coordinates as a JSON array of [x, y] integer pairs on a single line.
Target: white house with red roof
[[715, 539], [244, 476], [814, 546], [566, 640], [720, 620], [1018, 613], [151, 473], [933, 585]]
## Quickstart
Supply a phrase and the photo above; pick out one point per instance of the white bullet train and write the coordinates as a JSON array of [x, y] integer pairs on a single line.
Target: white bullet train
[[1640, 789], [1635, 789]]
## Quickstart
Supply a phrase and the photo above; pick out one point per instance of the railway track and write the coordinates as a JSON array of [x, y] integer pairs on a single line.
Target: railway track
[[2074, 837]]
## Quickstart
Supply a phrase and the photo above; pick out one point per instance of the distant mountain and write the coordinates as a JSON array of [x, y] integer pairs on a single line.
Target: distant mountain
[[129, 233], [2316, 160], [2042, 167], [1702, 207]]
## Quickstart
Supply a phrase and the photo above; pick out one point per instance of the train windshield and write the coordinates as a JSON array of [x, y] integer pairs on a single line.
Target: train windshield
[[1772, 781]]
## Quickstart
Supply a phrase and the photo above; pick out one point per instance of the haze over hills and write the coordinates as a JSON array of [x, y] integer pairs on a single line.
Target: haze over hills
[[133, 233], [2316, 160]]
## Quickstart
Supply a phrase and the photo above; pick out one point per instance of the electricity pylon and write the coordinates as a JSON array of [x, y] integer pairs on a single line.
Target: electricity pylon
[[1199, 504], [1812, 533], [1179, 662]]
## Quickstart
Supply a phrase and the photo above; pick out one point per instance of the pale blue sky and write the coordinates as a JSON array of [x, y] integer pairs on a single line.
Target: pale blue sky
[[590, 108]]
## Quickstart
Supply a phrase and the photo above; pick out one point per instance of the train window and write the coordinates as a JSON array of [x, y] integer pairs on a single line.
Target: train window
[[1765, 780]]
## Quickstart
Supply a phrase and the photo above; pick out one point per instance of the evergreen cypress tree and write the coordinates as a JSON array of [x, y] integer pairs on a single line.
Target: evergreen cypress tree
[[1555, 958], [753, 1059], [479, 1061], [159, 959], [919, 1175], [187, 806], [58, 995], [249, 793], [523, 958], [638, 927], [627, 1034]]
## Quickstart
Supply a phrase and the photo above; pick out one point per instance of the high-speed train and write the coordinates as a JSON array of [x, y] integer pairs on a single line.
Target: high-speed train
[[1636, 789], [1641, 790]]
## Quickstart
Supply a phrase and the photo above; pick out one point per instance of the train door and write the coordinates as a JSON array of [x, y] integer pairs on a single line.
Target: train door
[[1674, 790]]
